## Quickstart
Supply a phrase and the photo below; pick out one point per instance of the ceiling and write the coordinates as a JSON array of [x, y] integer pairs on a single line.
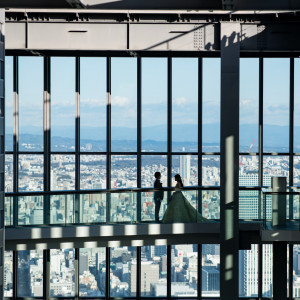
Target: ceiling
[[156, 4]]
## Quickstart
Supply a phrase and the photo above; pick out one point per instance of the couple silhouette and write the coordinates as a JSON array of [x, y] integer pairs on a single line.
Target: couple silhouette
[[179, 209]]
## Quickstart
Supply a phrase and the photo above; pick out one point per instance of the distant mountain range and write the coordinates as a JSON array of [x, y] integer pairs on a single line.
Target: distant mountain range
[[274, 136]]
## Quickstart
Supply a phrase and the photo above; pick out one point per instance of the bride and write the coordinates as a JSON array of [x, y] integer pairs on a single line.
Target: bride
[[179, 209]]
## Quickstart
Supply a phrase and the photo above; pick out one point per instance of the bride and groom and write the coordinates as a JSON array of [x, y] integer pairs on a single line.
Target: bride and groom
[[179, 209]]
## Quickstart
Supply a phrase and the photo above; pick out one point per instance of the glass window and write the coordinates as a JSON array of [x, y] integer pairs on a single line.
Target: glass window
[[275, 166], [92, 172], [123, 104], [8, 173], [9, 100], [184, 270], [210, 204], [185, 104], [62, 209], [30, 273], [248, 272], [154, 104], [154, 271], [8, 274], [62, 172], [62, 273], [267, 276], [296, 271], [211, 170], [123, 171], [211, 270], [276, 104], [62, 103], [92, 270], [211, 104], [31, 173], [250, 205], [31, 93], [187, 167], [297, 170], [248, 170], [152, 164], [297, 106], [92, 104], [123, 272], [249, 98]]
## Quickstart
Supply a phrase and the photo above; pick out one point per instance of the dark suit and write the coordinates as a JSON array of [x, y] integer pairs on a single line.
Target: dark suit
[[158, 198]]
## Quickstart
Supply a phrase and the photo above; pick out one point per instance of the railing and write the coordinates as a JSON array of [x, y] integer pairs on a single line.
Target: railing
[[281, 210], [106, 206], [117, 206]]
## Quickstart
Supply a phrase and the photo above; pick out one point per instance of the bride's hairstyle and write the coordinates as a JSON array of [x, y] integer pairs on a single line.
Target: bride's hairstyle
[[178, 179]]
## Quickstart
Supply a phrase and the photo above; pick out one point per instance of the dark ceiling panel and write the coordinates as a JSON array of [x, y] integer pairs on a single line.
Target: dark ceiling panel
[[34, 4]]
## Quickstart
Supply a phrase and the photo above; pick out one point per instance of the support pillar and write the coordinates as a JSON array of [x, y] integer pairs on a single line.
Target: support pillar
[[280, 271], [229, 248]]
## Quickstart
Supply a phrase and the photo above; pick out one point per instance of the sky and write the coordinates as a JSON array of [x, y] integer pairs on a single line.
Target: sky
[[154, 92]]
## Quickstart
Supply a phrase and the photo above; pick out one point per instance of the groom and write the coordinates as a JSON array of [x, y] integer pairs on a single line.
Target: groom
[[158, 195]]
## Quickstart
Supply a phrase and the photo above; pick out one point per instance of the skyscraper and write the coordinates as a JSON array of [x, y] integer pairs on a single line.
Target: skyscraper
[[185, 168]]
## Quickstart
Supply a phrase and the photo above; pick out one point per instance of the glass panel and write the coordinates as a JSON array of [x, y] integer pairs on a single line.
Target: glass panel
[[211, 270], [31, 173], [62, 273], [250, 205], [93, 208], [152, 164], [276, 104], [211, 170], [184, 270], [92, 172], [154, 271], [297, 170], [275, 166], [211, 104], [92, 104], [248, 272], [210, 204], [123, 272], [8, 274], [30, 273], [92, 271], [31, 210], [248, 171], [154, 104], [267, 276], [8, 173], [31, 94], [62, 209], [187, 167], [123, 171], [297, 106], [62, 103], [124, 104], [185, 104], [296, 271], [123, 207], [62, 172], [249, 93], [8, 211], [9, 100]]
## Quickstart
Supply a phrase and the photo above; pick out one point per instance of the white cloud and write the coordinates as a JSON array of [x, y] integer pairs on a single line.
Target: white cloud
[[181, 101], [92, 102], [120, 101]]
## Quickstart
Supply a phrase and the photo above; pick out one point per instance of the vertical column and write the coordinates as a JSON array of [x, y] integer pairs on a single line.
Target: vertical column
[[139, 135], [260, 121], [46, 274], [200, 121], [2, 158], [107, 274], [169, 270], [76, 273], [291, 133], [230, 50], [47, 139], [169, 122], [280, 271], [76, 198], [108, 135]]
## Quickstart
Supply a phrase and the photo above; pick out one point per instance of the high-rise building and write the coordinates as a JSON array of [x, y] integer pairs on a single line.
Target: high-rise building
[[185, 168]]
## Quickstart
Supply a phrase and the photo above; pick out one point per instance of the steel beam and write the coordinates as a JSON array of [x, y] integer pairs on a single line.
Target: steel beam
[[230, 53]]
